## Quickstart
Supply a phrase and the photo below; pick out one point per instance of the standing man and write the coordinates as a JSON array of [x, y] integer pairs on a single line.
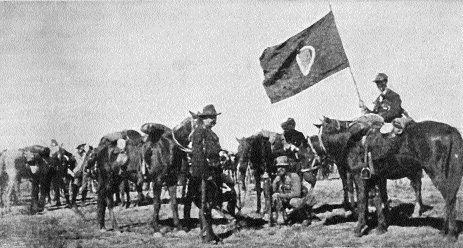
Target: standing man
[[78, 171], [204, 163], [388, 104]]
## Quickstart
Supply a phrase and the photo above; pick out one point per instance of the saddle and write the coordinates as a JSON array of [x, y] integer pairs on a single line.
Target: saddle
[[381, 140]]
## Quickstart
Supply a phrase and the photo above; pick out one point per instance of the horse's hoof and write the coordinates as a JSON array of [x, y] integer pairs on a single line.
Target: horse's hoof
[[103, 230], [450, 238], [380, 231], [358, 231]]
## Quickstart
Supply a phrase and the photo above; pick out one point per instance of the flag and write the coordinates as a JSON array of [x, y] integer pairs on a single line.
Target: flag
[[303, 60]]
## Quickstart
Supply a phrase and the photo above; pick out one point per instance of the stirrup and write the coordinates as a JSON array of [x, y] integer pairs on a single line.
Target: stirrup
[[365, 173]]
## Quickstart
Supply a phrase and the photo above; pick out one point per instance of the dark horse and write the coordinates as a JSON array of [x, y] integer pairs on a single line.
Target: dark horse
[[435, 147], [337, 148], [60, 179], [255, 151], [108, 164]]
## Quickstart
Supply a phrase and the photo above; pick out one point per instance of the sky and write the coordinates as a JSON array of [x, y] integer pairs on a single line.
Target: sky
[[75, 71]]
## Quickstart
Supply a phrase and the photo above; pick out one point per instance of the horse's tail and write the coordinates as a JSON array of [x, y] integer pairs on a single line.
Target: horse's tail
[[2, 166], [454, 161]]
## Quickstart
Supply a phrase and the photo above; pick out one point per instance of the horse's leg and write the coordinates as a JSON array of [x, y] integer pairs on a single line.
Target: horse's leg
[[449, 188], [415, 181], [157, 189], [66, 182], [8, 192], [101, 206], [173, 205], [112, 216], [140, 195], [382, 191], [362, 204], [258, 191], [243, 170], [17, 192], [347, 187], [45, 185], [55, 182], [124, 192], [382, 225]]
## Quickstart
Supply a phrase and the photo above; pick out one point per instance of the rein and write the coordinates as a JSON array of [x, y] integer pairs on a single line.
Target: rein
[[315, 159], [322, 146], [180, 146]]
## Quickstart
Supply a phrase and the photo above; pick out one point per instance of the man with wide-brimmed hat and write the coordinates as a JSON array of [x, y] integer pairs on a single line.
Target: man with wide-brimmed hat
[[205, 159], [289, 193]]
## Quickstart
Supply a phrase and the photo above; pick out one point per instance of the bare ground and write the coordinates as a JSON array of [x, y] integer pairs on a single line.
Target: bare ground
[[332, 227]]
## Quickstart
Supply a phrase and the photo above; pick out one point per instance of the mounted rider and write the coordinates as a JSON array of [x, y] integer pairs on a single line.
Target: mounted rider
[[387, 105], [388, 115]]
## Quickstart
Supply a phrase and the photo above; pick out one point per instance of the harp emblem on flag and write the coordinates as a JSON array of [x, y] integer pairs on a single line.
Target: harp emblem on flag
[[305, 59]]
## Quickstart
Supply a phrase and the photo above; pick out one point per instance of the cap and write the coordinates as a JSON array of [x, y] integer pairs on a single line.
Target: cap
[[380, 77]]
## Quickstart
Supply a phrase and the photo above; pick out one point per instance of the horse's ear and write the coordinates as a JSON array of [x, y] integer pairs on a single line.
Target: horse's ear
[[193, 114]]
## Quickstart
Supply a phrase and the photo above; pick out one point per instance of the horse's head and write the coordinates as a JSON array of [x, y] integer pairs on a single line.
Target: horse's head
[[183, 131], [333, 135], [244, 149]]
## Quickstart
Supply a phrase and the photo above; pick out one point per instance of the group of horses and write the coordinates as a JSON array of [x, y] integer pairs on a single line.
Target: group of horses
[[161, 158], [45, 170]]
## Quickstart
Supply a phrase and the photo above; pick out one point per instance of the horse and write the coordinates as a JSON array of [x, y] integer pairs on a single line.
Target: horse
[[255, 151], [108, 163], [435, 147], [164, 160], [60, 178], [25, 163]]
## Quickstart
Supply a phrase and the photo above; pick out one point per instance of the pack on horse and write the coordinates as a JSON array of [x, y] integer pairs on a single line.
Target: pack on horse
[[32, 163], [435, 147]]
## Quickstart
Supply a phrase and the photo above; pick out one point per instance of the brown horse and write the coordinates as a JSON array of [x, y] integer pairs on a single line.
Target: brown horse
[[435, 147]]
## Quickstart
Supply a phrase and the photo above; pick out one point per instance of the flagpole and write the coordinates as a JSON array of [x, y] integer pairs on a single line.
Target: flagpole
[[355, 83], [350, 69]]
